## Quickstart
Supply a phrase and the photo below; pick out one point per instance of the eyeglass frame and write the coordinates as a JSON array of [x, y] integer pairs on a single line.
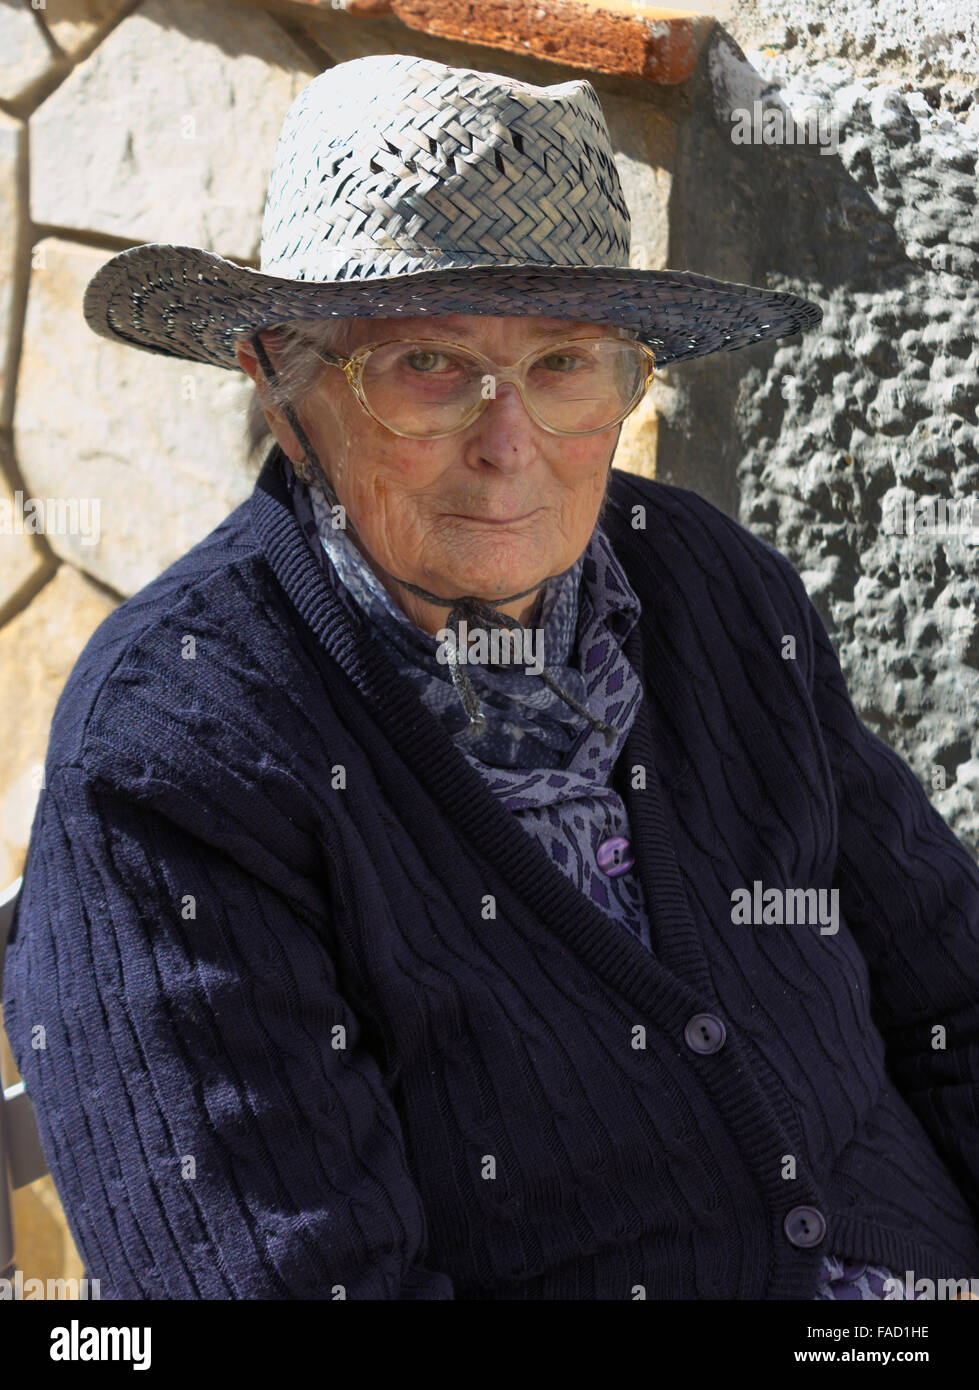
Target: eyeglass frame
[[353, 364]]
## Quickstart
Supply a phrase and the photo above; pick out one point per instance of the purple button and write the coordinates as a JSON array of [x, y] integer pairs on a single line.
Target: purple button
[[805, 1226], [615, 856], [705, 1033]]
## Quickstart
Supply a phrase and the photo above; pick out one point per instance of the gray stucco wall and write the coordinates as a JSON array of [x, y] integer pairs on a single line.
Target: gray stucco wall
[[808, 443]]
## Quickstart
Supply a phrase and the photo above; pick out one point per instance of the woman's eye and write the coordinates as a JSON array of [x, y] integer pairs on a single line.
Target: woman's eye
[[422, 361], [566, 361]]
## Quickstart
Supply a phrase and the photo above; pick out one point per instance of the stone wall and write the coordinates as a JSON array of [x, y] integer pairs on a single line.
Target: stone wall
[[876, 413], [124, 121]]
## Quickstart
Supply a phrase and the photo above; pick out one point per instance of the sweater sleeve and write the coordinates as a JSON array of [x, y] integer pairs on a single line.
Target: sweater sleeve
[[909, 892], [213, 1125]]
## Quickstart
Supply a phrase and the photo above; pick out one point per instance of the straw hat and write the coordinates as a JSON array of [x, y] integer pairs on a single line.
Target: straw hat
[[402, 186]]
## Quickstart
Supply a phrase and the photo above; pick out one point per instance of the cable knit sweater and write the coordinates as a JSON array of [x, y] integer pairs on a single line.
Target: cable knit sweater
[[584, 616], [305, 1012]]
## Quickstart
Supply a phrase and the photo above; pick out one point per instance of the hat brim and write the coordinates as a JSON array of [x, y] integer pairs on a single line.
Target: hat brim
[[186, 302]]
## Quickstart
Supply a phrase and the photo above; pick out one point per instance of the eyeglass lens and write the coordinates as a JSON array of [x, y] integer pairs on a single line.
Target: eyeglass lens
[[425, 388]]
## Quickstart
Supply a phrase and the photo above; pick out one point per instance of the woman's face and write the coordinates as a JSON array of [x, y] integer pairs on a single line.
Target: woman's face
[[492, 510]]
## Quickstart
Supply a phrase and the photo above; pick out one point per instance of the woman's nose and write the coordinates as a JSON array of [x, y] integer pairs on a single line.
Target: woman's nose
[[505, 427]]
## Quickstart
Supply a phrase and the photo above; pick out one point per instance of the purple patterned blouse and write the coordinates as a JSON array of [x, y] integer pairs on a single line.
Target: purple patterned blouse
[[544, 761]]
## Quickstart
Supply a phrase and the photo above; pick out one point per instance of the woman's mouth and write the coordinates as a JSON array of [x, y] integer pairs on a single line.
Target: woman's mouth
[[497, 520]]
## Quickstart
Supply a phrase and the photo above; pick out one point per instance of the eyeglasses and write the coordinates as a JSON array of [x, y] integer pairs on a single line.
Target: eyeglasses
[[424, 388]]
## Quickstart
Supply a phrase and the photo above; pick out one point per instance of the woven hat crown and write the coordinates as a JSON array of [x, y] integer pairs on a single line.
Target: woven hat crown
[[390, 164]]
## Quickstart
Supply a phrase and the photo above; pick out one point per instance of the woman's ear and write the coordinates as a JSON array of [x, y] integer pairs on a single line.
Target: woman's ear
[[276, 421]]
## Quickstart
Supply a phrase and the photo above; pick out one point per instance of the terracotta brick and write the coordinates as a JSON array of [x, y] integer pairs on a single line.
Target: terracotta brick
[[607, 36]]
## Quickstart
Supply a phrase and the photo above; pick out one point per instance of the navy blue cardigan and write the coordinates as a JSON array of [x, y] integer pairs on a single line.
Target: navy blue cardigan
[[306, 1013]]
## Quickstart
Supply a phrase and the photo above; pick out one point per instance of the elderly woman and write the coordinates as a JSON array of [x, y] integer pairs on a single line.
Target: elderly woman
[[463, 875]]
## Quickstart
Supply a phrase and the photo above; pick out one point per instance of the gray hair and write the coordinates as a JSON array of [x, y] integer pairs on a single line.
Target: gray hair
[[297, 367], [294, 347]]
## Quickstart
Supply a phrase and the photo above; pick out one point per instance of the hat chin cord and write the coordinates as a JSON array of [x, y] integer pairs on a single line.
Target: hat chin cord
[[476, 612]]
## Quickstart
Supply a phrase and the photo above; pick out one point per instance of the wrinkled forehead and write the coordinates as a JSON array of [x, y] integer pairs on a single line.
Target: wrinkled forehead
[[476, 329]]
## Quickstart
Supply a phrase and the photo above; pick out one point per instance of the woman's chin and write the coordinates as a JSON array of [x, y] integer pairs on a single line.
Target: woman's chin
[[494, 568], [492, 584]]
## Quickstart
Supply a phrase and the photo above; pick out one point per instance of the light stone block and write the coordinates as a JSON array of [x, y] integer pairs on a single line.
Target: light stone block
[[23, 559], [167, 131], [75, 24], [136, 456], [25, 54], [38, 649]]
